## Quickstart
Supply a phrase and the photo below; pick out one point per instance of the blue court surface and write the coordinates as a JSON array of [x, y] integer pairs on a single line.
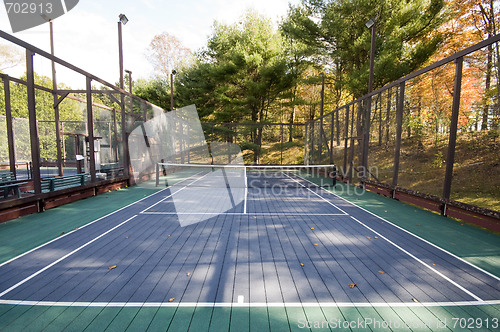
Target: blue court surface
[[278, 247]]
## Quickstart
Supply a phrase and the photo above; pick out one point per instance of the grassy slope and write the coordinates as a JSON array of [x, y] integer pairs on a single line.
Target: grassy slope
[[476, 173]]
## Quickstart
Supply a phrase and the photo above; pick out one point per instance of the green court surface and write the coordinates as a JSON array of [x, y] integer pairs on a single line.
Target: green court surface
[[475, 245]]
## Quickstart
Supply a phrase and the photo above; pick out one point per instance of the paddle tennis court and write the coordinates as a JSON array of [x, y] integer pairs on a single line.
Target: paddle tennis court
[[285, 243]]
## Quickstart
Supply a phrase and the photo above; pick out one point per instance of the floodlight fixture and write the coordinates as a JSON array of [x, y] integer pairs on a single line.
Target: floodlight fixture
[[123, 19], [370, 23]]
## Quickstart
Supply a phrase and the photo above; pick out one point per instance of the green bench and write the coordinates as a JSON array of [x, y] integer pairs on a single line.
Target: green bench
[[63, 182], [8, 183], [112, 170]]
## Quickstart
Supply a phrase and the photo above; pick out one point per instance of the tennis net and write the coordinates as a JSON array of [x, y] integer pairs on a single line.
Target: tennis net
[[245, 176]]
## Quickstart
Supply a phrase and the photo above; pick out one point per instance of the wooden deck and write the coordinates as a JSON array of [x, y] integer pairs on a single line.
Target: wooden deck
[[289, 259]]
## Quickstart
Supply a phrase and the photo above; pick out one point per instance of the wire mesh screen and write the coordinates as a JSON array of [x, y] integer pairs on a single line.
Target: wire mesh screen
[[4, 146], [476, 172], [382, 137], [262, 143]]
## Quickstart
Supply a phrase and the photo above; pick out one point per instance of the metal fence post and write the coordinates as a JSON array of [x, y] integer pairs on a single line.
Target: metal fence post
[[115, 136], [56, 105], [312, 142], [281, 149], [366, 139], [399, 130], [346, 139], [124, 136], [306, 143], [35, 143], [90, 126], [10, 127], [450, 159], [331, 137]]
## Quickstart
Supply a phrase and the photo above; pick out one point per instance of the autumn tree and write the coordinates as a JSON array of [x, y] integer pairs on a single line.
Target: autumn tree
[[406, 36], [471, 22], [167, 53], [9, 57]]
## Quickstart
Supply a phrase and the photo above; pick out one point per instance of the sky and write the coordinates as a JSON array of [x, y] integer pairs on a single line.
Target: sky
[[87, 36]]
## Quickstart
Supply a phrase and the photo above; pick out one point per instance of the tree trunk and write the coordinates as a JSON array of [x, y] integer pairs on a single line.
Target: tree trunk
[[337, 130], [378, 107], [420, 125], [291, 119], [388, 115], [254, 135], [484, 124]]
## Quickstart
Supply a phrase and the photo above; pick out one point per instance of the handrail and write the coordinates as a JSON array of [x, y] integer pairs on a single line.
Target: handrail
[[66, 64], [419, 72]]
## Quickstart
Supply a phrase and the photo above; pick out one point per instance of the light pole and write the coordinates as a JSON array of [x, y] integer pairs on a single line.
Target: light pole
[[370, 25], [172, 89], [321, 111], [126, 156], [123, 20], [56, 107], [129, 72]]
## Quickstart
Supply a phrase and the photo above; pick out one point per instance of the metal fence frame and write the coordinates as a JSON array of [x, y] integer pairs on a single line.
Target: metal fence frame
[[135, 112], [398, 85]]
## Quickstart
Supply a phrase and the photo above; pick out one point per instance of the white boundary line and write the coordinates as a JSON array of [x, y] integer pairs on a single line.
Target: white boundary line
[[246, 193], [345, 213], [256, 304], [422, 262], [172, 194], [246, 166], [86, 244], [228, 304], [90, 223], [414, 235], [250, 213], [63, 257]]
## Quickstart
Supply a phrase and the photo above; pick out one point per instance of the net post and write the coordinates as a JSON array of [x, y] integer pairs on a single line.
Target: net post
[[334, 175], [157, 174]]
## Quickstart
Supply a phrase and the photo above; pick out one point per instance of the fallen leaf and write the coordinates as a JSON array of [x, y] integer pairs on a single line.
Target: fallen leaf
[[127, 237], [61, 233], [414, 300], [315, 244], [168, 235], [352, 285], [171, 299], [301, 264], [255, 217], [312, 227], [75, 229], [433, 264], [368, 237], [112, 267], [376, 237], [382, 272]]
